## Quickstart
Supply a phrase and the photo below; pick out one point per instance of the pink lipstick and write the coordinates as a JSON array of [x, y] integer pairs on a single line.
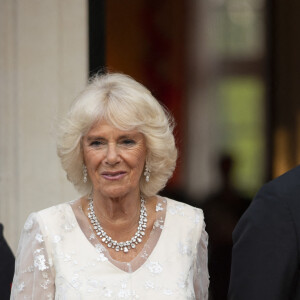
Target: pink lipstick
[[113, 175]]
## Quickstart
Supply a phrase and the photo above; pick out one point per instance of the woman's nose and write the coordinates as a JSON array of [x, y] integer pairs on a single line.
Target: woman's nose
[[112, 155]]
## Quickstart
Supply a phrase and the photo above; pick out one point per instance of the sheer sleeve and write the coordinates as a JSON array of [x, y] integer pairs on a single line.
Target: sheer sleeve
[[201, 276], [34, 273]]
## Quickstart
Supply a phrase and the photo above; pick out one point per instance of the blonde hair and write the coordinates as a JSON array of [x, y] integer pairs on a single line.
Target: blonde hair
[[127, 105]]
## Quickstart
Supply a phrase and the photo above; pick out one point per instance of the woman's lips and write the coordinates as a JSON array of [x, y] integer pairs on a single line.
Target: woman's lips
[[113, 175]]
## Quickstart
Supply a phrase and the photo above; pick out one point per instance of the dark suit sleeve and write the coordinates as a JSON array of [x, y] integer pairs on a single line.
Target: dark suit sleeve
[[265, 251], [7, 264]]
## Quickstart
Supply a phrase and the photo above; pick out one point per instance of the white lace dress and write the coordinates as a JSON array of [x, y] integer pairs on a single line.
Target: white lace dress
[[59, 257]]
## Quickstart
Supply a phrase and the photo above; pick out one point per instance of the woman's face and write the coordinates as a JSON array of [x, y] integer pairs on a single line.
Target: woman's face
[[114, 159]]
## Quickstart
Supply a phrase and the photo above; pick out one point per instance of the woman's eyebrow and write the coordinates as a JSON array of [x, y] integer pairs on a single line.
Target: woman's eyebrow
[[94, 137], [123, 136], [126, 136]]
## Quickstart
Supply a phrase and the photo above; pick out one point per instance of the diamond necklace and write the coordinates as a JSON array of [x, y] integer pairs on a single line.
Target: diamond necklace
[[110, 243]]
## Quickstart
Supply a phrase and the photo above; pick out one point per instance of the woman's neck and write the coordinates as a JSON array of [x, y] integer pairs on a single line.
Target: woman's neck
[[118, 209]]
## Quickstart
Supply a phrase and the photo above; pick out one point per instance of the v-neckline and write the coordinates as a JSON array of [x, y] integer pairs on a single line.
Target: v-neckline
[[148, 248]]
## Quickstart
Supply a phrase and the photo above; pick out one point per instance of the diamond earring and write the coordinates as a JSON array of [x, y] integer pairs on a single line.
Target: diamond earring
[[147, 173], [84, 171]]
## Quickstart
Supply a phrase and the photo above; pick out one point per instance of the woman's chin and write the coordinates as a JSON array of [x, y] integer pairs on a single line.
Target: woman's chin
[[115, 189], [114, 193]]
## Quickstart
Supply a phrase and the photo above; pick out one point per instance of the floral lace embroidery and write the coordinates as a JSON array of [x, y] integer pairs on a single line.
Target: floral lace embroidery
[[53, 235]]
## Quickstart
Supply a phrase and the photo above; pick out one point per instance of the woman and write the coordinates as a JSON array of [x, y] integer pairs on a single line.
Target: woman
[[120, 240]]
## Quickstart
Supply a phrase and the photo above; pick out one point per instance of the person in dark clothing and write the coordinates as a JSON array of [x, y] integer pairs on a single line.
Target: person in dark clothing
[[7, 267], [266, 251]]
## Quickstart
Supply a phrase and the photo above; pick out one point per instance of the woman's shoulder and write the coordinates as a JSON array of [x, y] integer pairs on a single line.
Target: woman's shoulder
[[182, 206], [54, 215], [57, 208], [185, 219], [52, 220], [184, 210]]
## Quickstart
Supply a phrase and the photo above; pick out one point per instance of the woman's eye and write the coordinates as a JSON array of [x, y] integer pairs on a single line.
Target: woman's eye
[[128, 142], [96, 143]]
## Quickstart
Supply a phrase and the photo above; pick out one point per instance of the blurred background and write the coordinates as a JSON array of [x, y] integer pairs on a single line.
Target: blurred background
[[228, 70]]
